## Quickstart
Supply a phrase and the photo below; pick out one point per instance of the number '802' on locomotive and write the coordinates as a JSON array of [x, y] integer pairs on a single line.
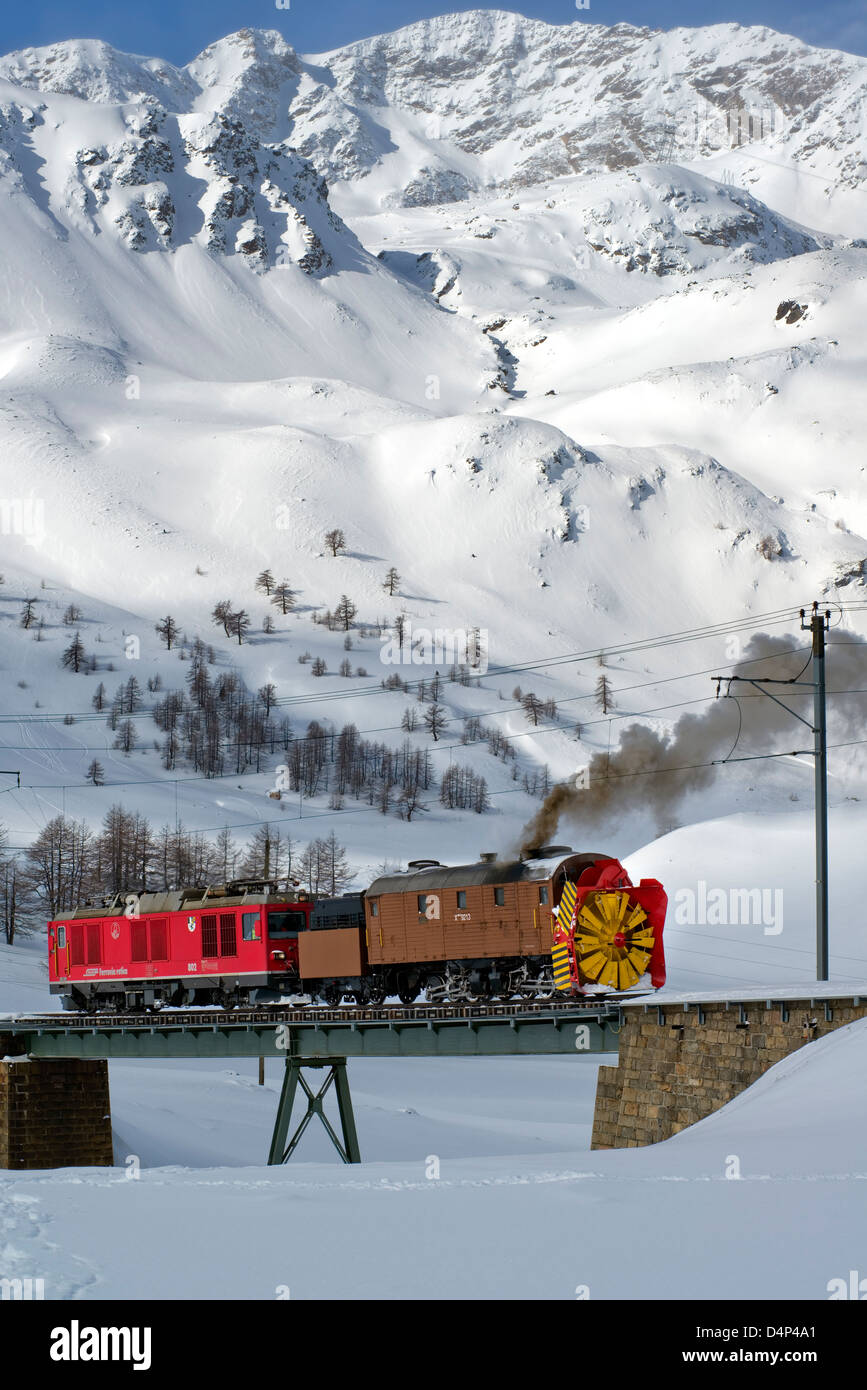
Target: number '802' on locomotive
[[550, 924]]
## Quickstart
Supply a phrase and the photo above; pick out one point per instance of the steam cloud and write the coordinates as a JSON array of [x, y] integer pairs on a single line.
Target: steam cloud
[[616, 786]]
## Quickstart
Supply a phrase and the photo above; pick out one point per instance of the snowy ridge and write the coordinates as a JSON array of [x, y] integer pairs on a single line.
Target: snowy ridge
[[456, 99]]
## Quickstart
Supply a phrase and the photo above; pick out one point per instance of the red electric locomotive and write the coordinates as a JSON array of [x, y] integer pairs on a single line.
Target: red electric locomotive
[[195, 946]]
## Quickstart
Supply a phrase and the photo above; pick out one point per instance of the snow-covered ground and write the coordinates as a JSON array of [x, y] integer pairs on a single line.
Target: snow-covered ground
[[425, 1220]]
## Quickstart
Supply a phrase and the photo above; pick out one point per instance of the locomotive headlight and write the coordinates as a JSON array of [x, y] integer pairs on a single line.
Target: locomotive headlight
[[277, 955]]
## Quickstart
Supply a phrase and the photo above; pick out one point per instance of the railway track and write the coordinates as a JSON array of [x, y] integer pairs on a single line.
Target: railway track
[[343, 1014]]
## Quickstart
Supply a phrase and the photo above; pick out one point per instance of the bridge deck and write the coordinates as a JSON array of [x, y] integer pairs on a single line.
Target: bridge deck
[[497, 1029]]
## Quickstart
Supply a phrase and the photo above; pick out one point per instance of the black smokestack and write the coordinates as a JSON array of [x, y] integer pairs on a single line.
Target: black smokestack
[[656, 771]]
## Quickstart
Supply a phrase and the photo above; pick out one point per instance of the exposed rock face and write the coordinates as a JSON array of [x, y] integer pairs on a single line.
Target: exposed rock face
[[258, 199], [663, 220], [489, 98]]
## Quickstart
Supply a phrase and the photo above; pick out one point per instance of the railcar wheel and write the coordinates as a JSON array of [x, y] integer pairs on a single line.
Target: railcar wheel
[[545, 990], [435, 989]]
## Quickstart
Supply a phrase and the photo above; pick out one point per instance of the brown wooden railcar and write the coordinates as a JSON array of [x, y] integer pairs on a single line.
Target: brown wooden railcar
[[488, 910]]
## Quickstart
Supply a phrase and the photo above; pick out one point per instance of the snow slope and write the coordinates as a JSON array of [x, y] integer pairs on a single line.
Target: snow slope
[[486, 1227]]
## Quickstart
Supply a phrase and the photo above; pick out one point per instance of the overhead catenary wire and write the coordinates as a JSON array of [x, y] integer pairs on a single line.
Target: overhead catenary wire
[[696, 635], [478, 714], [729, 628], [331, 813]]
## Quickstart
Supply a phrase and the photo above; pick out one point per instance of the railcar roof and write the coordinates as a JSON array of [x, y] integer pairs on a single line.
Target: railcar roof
[[174, 901], [466, 875]]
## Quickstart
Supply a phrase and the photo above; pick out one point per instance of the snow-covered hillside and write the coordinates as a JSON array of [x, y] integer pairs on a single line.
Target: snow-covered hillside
[[586, 372]]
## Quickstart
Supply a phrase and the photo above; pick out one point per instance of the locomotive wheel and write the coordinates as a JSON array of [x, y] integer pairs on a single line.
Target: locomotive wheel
[[613, 941], [435, 985], [545, 991]]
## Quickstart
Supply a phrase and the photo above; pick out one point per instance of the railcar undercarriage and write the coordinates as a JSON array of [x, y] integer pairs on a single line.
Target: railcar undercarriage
[[440, 982]]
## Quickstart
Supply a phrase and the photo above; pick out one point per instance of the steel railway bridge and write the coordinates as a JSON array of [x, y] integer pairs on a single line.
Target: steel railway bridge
[[321, 1040]]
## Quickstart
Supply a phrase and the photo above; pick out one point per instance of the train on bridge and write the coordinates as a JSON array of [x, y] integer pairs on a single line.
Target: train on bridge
[[550, 924]]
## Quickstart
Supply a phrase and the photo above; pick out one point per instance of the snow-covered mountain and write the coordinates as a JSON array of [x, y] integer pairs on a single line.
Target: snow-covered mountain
[[563, 322], [487, 98]]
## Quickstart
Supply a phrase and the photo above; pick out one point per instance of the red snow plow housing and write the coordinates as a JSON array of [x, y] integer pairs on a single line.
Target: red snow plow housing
[[608, 931]]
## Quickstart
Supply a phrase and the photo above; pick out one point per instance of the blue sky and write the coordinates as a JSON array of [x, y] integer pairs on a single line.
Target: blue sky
[[178, 29]]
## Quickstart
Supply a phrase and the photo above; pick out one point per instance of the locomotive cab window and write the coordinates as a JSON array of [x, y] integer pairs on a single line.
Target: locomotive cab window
[[499, 897], [250, 926], [462, 898], [543, 894], [374, 907], [422, 902], [61, 938], [286, 923]]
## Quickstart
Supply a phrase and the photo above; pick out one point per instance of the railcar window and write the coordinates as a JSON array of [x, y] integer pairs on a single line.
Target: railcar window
[[61, 938], [94, 944], [250, 926], [76, 944], [500, 897], [159, 940], [228, 935], [462, 899], [286, 923], [543, 894], [374, 908], [209, 935], [422, 902]]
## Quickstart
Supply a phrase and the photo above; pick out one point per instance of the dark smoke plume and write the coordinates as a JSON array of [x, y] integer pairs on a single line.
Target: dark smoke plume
[[616, 784]]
